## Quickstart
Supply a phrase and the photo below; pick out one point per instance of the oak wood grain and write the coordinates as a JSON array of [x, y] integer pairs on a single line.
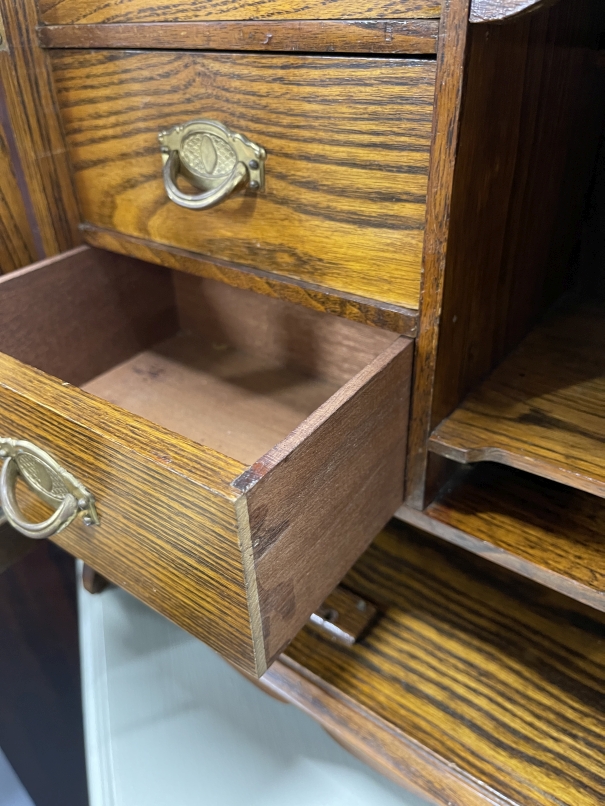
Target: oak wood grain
[[183, 561], [501, 10], [348, 142], [310, 295], [495, 677], [308, 36], [17, 244], [28, 88], [451, 59], [531, 117], [545, 531], [541, 410], [61, 12], [375, 741]]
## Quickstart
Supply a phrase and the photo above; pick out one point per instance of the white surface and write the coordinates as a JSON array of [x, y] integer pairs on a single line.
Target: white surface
[[168, 723], [12, 792]]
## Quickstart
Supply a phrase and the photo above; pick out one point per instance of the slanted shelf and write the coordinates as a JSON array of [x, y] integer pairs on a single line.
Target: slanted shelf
[[543, 409], [543, 530]]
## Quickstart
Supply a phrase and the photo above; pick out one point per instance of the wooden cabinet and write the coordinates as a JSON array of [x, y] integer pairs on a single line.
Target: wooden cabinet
[[235, 387]]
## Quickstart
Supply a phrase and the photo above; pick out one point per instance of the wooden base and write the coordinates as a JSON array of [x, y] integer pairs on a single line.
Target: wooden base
[[474, 687], [234, 402]]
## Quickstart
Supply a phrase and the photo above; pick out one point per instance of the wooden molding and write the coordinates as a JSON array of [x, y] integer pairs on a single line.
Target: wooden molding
[[446, 126], [319, 298], [502, 10], [309, 36]]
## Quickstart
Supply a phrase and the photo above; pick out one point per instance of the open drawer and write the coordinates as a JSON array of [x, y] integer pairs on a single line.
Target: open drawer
[[241, 451]]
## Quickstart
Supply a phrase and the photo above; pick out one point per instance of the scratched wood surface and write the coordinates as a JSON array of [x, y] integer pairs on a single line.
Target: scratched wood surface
[[545, 531], [474, 668], [308, 36], [542, 409], [53, 12], [348, 142]]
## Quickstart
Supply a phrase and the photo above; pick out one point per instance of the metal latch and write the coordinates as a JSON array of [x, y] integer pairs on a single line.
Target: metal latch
[[344, 617]]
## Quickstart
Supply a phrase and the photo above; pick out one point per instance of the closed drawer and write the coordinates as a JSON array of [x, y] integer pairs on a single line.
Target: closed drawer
[[241, 451], [69, 12], [347, 139]]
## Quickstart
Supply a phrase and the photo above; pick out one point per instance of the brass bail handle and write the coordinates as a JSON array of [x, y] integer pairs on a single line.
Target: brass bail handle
[[213, 158], [52, 483]]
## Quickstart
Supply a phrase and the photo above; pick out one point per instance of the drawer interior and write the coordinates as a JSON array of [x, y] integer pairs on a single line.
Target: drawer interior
[[242, 451], [224, 367]]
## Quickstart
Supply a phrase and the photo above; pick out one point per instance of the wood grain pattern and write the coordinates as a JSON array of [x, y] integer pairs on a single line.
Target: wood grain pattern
[[375, 741], [498, 678], [348, 142], [62, 12], [183, 561], [542, 408], [175, 527], [552, 534], [530, 123], [308, 36], [326, 490], [451, 55], [17, 244], [28, 89], [309, 295], [500, 10]]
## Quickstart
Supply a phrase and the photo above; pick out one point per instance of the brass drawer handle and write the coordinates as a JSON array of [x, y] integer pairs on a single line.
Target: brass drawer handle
[[213, 158], [52, 483]]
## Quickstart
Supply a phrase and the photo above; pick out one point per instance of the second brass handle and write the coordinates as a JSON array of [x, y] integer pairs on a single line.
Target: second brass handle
[[213, 158], [49, 481]]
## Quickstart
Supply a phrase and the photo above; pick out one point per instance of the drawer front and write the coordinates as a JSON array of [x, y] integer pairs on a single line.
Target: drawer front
[[237, 555], [70, 12], [348, 145]]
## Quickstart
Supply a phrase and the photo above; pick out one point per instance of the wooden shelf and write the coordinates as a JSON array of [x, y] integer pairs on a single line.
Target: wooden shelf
[[474, 687], [545, 531], [543, 409]]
